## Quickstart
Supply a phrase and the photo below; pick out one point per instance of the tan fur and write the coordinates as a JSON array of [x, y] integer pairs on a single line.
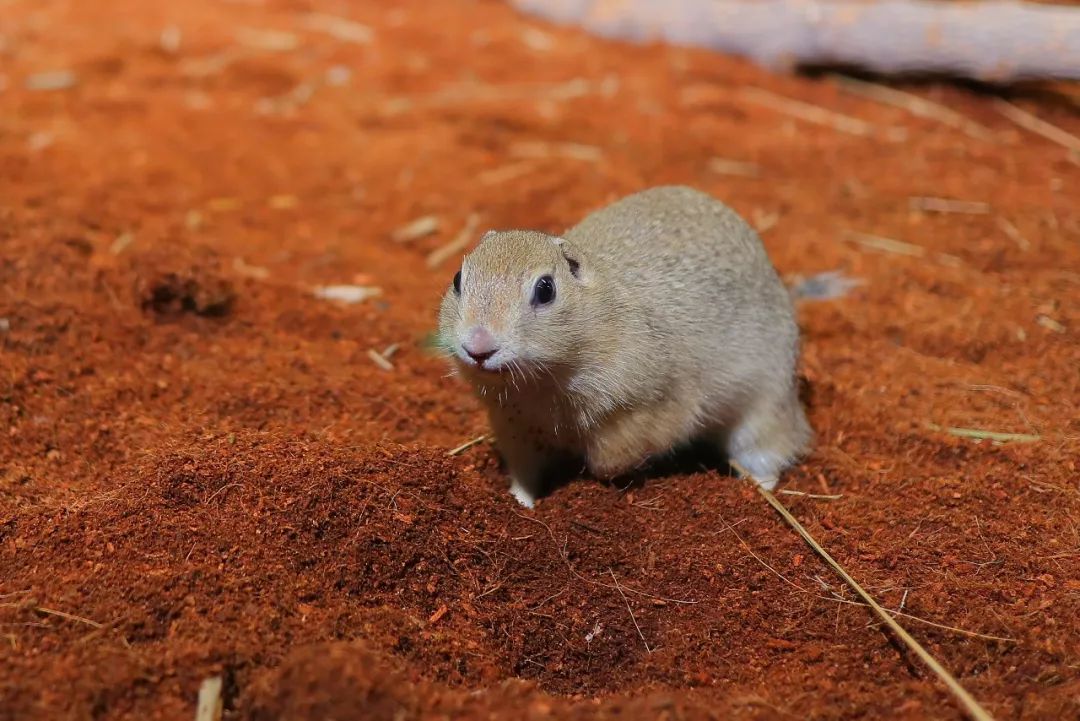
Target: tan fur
[[675, 328]]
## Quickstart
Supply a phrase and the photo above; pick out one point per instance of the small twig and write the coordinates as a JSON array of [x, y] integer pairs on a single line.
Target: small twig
[[416, 229], [650, 504], [764, 220], [946, 205], [915, 105], [15, 593], [288, 101], [267, 39], [439, 613], [587, 527], [925, 622], [250, 271], [740, 168], [390, 350], [888, 245], [618, 588], [203, 67], [966, 700], [981, 434], [505, 173], [900, 247], [471, 92], [572, 151], [552, 597], [996, 389], [467, 445], [379, 359], [347, 294], [68, 616], [746, 547], [339, 28], [460, 242], [810, 113], [98, 632], [818, 496], [122, 243], [52, 80], [1050, 324], [1013, 232], [224, 488], [1037, 125]]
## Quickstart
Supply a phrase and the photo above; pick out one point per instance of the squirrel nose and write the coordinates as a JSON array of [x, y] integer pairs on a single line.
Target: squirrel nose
[[480, 357], [480, 345]]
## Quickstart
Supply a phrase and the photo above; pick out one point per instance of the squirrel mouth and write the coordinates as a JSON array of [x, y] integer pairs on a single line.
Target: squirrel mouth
[[486, 360], [477, 365], [488, 368]]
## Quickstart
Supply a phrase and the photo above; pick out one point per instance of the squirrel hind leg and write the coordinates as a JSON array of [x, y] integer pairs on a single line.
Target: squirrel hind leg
[[769, 439]]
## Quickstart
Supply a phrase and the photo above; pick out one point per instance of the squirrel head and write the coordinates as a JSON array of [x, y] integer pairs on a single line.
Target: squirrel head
[[515, 304]]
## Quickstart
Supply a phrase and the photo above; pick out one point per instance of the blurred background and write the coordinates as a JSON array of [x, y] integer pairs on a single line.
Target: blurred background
[[224, 229]]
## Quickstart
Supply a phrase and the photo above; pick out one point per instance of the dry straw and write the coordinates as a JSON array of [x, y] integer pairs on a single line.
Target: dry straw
[[966, 700]]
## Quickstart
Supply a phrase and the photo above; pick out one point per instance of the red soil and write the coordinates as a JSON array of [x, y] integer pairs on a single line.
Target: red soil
[[202, 471]]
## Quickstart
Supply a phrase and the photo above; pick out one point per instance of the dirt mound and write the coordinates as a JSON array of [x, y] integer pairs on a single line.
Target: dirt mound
[[347, 680]]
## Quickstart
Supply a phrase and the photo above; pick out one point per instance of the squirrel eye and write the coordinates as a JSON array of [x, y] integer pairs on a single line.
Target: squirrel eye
[[544, 291], [457, 282]]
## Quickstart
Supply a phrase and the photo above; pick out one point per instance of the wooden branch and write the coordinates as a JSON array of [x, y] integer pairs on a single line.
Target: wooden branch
[[991, 41]]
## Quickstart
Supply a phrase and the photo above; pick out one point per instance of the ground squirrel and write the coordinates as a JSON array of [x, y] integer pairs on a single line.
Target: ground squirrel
[[654, 322]]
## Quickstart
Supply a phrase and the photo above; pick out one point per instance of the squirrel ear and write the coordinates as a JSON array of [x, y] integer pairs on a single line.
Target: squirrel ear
[[571, 255]]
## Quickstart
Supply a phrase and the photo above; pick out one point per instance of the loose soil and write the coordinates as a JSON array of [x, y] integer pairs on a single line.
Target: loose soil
[[203, 471]]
